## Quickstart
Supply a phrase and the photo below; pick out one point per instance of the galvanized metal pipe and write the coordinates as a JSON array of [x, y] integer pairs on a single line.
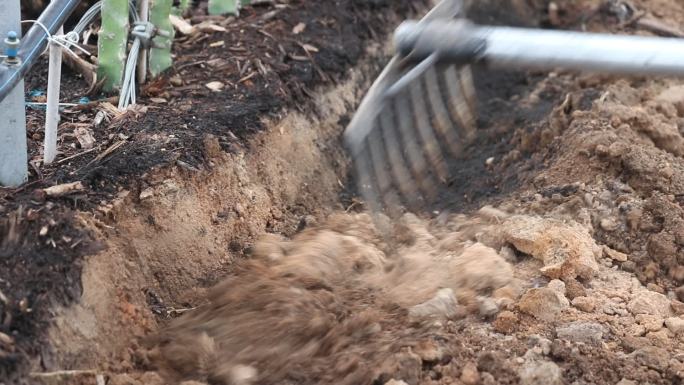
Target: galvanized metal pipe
[[13, 146], [505, 47], [34, 43]]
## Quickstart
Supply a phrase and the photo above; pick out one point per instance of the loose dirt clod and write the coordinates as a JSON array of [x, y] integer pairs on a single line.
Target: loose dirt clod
[[541, 373], [568, 251], [544, 304]]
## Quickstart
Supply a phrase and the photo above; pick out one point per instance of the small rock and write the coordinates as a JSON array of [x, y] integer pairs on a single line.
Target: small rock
[[614, 254], [152, 378], [239, 210], [675, 324], [625, 381], [585, 304], [544, 344], [243, 375], [512, 291], [608, 224], [395, 382], [429, 351], [574, 289], [632, 343], [651, 323], [123, 379], [544, 304], [586, 332], [487, 307], [541, 373], [442, 306], [488, 379], [652, 357], [146, 193], [659, 338], [654, 287], [636, 330], [469, 374], [649, 302], [677, 307], [407, 366], [506, 322], [679, 292], [557, 285]]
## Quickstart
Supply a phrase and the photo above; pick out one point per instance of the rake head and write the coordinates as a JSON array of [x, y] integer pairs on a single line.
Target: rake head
[[415, 116]]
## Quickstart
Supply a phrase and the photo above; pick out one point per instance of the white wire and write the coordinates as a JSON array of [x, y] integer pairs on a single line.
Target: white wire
[[71, 40], [66, 41], [127, 96]]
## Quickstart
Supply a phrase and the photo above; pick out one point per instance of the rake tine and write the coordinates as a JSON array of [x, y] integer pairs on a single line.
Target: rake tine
[[380, 166], [468, 83], [441, 120], [459, 108], [366, 186], [470, 94], [413, 153], [401, 174], [430, 144]]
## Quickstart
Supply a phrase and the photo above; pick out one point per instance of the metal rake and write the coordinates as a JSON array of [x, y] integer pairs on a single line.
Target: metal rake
[[422, 108], [409, 117]]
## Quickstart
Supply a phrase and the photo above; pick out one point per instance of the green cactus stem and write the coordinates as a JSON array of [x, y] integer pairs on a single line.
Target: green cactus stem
[[222, 7], [112, 43], [160, 56]]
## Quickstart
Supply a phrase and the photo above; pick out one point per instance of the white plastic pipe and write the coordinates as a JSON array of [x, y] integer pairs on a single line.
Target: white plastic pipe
[[13, 146], [52, 113]]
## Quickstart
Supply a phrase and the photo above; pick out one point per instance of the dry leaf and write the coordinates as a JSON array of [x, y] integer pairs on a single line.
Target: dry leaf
[[215, 86], [299, 28], [85, 137], [158, 100]]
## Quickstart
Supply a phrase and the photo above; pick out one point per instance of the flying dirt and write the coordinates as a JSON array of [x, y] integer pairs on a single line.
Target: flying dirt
[[570, 279]]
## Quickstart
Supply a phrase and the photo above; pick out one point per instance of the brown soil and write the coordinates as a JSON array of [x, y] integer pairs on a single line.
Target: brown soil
[[558, 263]]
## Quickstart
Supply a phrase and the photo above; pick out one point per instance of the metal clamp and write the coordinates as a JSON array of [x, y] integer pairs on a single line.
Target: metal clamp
[[146, 32]]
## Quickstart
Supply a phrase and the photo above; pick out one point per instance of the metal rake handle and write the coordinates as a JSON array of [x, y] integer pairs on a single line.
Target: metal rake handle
[[505, 47]]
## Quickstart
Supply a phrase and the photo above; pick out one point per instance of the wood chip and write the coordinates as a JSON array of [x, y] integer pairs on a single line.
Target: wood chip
[[182, 25], [215, 86], [219, 43], [660, 28], [309, 48], [208, 26], [299, 28], [6, 340], [85, 137], [63, 189]]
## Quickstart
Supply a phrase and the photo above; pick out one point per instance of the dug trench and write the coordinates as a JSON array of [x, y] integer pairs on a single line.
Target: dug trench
[[556, 260]]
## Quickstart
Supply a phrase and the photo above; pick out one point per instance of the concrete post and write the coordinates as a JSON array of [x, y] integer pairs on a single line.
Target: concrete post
[[13, 147]]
